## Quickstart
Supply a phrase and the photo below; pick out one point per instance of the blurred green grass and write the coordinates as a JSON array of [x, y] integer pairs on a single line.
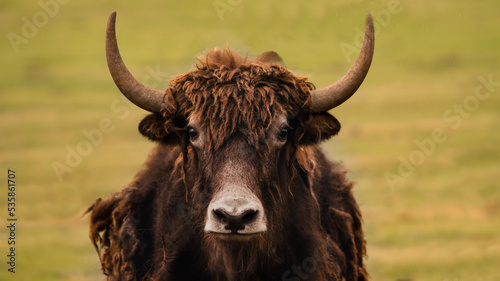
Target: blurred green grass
[[441, 223]]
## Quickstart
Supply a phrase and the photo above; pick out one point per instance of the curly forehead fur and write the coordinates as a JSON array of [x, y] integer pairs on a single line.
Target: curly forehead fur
[[228, 93]]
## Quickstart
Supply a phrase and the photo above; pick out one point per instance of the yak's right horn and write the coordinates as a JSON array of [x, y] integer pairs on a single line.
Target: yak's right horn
[[139, 94]]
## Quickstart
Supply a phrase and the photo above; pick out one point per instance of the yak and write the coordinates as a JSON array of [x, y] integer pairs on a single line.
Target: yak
[[236, 186]]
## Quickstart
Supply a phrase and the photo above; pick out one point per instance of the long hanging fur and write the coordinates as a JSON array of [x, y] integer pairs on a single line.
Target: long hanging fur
[[153, 229]]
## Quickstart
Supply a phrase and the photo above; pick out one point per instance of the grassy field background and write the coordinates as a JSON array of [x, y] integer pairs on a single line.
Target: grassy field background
[[437, 218]]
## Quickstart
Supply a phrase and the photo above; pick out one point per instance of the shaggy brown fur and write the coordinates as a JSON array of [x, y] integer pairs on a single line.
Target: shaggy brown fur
[[153, 229]]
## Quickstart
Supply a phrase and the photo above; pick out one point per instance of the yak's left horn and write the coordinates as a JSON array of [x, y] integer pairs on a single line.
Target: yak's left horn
[[335, 94], [139, 94]]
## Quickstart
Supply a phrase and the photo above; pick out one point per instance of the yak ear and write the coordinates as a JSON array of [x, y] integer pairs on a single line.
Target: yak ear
[[158, 129], [270, 57], [320, 127]]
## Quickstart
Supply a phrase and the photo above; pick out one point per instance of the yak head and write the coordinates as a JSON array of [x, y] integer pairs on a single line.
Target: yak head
[[246, 129]]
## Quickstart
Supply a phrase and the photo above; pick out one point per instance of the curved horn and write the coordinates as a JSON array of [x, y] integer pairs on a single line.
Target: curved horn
[[139, 94], [335, 94]]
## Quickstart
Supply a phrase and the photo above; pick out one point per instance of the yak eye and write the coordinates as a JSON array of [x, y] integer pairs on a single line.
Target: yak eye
[[283, 134], [193, 134]]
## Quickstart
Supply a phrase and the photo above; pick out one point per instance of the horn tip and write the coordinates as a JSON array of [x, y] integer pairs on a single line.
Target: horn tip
[[112, 16], [111, 22], [369, 21]]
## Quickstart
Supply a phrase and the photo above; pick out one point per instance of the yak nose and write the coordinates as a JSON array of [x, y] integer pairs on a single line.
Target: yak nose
[[235, 210], [235, 221]]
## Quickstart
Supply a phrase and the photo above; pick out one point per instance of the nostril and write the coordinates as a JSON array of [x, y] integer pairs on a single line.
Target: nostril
[[221, 215], [248, 216]]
